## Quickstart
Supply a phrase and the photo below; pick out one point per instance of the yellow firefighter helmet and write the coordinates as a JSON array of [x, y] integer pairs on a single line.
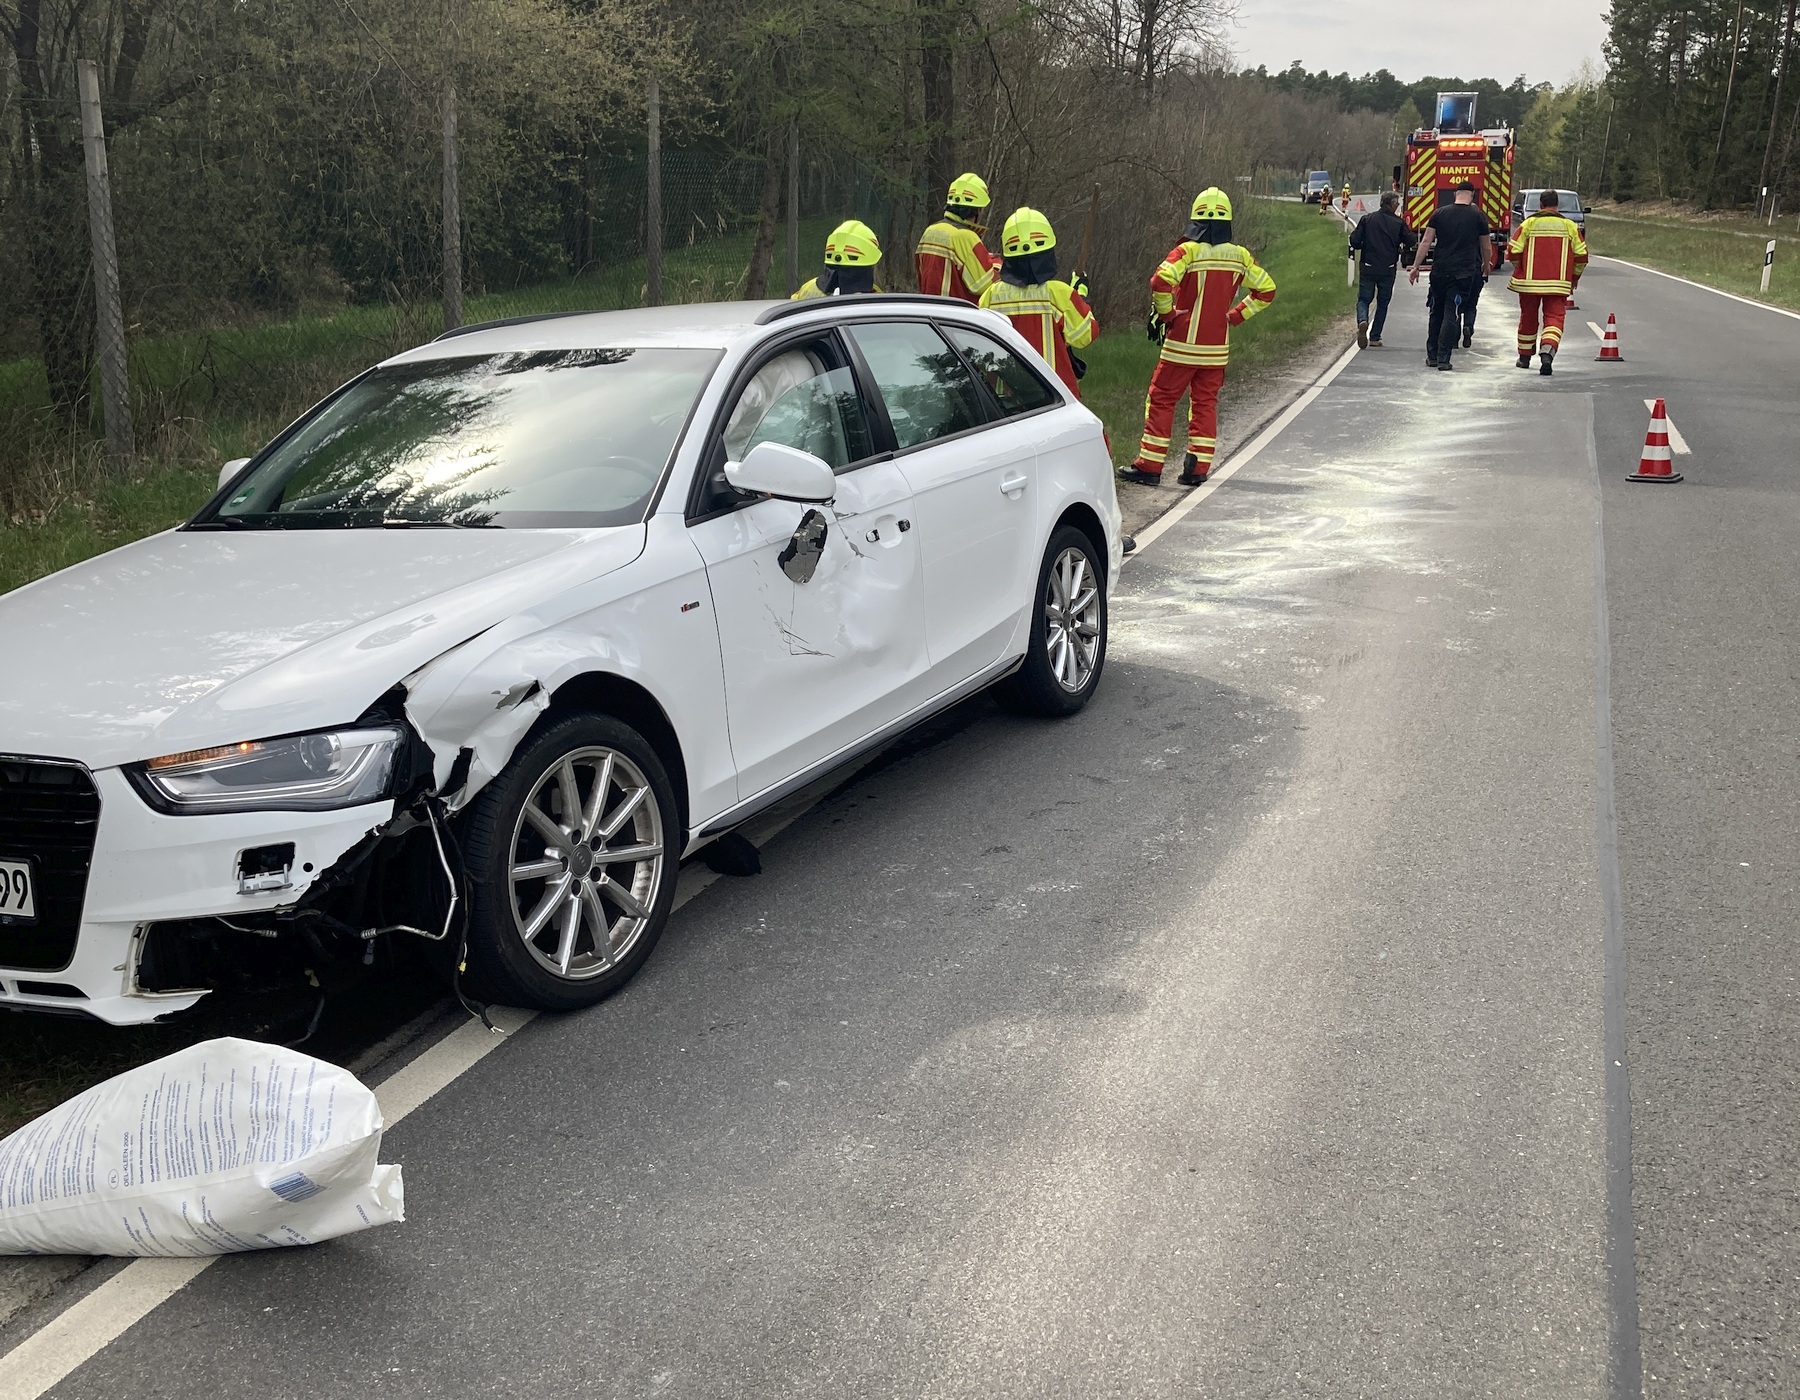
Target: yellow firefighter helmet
[[1211, 203], [853, 244], [1026, 232], [969, 189]]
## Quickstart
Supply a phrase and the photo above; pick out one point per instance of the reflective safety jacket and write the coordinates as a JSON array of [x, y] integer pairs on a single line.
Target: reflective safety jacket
[[1548, 255], [810, 289], [1195, 292], [954, 262], [1051, 317]]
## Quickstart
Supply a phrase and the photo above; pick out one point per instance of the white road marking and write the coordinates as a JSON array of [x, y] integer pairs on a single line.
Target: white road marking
[[1166, 521], [1677, 443], [1658, 272], [1599, 334], [93, 1323]]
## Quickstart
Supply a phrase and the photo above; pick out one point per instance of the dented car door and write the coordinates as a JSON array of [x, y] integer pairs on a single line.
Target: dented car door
[[819, 606]]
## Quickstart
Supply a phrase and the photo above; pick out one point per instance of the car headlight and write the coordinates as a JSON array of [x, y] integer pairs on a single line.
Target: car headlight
[[304, 773]]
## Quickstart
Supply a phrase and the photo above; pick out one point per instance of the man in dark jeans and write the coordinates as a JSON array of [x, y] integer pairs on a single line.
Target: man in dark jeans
[[1464, 251], [1383, 239]]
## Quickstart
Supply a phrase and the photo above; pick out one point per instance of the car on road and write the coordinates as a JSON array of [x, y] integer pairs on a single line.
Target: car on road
[[1317, 187], [1568, 204], [472, 655]]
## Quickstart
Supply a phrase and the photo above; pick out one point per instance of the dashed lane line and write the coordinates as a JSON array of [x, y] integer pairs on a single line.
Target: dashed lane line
[[1599, 334], [1677, 443]]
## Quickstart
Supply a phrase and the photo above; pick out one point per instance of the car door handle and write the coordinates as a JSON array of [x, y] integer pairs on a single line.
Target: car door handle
[[1013, 485]]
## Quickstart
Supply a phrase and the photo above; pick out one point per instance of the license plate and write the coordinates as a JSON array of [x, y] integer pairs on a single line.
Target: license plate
[[18, 900]]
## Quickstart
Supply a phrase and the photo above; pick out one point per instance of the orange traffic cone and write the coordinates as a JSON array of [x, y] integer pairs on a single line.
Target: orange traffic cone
[[1609, 347], [1657, 462]]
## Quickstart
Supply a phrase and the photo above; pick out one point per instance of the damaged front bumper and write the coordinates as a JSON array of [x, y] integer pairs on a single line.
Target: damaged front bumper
[[147, 868]]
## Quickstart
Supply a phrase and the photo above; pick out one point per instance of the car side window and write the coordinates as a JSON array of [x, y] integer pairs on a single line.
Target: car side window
[[1014, 387], [801, 399], [923, 382]]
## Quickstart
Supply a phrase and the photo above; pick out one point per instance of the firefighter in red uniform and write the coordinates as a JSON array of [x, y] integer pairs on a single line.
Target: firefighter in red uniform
[[1194, 301], [1053, 316], [952, 260], [1548, 256]]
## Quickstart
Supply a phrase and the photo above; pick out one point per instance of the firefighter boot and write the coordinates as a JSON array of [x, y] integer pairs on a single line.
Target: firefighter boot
[[1544, 359], [1192, 473], [1136, 472], [1524, 361]]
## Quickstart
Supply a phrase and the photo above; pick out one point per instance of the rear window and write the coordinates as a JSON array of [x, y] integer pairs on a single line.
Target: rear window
[[531, 439]]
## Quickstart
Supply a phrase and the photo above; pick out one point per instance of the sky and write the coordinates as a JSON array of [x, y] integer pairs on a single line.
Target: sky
[[1544, 39]]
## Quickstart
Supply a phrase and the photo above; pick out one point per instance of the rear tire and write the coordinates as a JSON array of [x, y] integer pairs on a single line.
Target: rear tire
[[554, 924], [1066, 651]]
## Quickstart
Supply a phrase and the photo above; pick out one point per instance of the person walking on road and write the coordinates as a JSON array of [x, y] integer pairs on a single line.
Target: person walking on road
[[1052, 315], [1194, 304], [951, 258], [1548, 254], [1384, 240], [1346, 199], [851, 252], [1461, 249]]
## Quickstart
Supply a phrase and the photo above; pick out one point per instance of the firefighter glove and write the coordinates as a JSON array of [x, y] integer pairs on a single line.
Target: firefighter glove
[[1154, 328], [1078, 284], [1235, 316]]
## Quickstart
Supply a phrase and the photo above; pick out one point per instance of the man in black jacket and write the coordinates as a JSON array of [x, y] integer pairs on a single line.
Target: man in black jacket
[[1464, 253], [1382, 238]]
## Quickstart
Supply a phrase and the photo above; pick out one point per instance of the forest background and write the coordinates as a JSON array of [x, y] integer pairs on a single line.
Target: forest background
[[277, 170]]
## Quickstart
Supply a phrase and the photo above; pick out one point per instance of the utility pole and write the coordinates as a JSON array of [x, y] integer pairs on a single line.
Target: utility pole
[[115, 382], [453, 299], [653, 214], [793, 209]]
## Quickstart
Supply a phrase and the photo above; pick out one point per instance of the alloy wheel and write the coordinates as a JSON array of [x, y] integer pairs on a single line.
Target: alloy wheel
[[586, 862], [1072, 619]]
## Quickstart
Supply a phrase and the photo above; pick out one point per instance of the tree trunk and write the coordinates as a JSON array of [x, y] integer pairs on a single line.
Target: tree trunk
[[768, 215], [938, 72], [1787, 41]]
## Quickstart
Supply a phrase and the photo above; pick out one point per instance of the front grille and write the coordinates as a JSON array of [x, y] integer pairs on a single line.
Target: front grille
[[49, 812]]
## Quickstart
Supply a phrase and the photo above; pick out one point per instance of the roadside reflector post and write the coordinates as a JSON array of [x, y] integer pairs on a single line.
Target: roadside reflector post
[[1768, 263]]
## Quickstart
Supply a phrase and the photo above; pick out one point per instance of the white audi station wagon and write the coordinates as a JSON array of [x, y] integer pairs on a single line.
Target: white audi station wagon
[[473, 654]]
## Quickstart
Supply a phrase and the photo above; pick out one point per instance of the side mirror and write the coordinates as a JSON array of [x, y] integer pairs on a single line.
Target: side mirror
[[1587, 208], [231, 469], [784, 472]]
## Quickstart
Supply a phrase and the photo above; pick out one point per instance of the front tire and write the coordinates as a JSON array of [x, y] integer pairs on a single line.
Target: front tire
[[1066, 651], [572, 855]]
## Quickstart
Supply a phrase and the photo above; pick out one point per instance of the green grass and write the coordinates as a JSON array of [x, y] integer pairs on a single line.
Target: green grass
[[1303, 253], [1720, 251]]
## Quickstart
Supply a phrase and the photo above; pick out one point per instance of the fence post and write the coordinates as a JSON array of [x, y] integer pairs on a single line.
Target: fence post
[[653, 214], [793, 209], [115, 383], [453, 298]]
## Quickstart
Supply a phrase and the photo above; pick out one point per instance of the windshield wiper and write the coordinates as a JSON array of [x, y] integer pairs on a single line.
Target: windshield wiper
[[220, 522], [401, 523]]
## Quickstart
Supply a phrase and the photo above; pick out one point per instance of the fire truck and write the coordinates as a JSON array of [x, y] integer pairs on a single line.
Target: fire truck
[[1441, 157]]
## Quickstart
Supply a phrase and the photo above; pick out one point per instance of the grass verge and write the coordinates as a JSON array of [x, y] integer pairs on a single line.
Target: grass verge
[[1303, 253], [1719, 251]]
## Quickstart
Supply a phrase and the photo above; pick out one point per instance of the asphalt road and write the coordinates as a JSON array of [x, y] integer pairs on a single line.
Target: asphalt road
[[1245, 1035]]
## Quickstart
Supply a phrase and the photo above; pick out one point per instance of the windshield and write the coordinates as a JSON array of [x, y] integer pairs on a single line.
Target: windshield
[[529, 439]]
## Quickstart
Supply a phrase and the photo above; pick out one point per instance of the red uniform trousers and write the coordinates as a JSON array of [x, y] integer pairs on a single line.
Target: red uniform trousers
[[1170, 381], [1553, 306]]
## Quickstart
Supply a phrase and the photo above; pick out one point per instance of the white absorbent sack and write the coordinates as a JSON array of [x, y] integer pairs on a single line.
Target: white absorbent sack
[[225, 1146]]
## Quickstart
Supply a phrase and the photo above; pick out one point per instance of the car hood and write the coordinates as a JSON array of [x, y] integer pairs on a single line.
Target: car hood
[[194, 638]]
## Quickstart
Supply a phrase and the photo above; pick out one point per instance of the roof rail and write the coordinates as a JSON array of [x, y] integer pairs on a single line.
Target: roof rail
[[509, 321], [782, 310]]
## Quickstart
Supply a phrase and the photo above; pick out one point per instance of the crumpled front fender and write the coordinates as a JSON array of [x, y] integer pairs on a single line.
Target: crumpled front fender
[[485, 695]]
